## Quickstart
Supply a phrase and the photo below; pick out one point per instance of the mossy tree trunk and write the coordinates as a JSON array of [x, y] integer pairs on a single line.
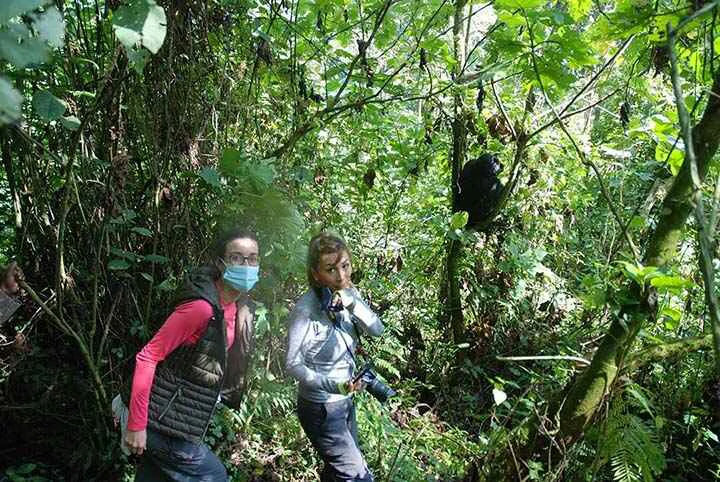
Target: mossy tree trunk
[[588, 391]]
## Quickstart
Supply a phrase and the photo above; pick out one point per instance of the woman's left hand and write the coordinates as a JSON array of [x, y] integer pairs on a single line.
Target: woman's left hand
[[346, 297]]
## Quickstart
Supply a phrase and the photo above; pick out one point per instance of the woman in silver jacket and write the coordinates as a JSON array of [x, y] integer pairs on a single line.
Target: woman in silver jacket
[[324, 331]]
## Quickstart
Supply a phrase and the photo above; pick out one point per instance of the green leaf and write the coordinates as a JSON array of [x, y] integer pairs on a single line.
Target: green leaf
[[47, 106], [264, 173], [118, 265], [147, 277], [670, 282], [10, 102], [168, 284], [514, 4], [511, 19], [129, 255], [50, 27], [210, 176], [142, 231], [13, 8], [138, 58], [458, 220], [25, 469], [672, 317], [140, 22], [70, 122], [156, 258], [640, 398], [230, 162], [710, 435], [20, 48], [579, 8]]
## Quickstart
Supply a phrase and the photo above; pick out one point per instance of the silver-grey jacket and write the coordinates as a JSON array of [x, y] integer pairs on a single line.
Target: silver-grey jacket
[[317, 356]]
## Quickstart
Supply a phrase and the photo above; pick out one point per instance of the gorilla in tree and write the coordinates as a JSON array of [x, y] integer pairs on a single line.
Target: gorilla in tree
[[480, 189]]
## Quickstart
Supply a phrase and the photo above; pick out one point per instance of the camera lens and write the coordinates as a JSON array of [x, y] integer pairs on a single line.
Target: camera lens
[[379, 390]]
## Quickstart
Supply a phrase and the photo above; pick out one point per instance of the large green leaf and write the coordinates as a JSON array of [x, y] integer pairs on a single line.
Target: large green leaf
[[10, 102], [20, 48], [50, 27], [47, 106], [140, 22], [210, 176], [230, 162], [13, 8]]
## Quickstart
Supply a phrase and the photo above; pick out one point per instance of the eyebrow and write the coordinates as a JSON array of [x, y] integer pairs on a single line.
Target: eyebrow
[[343, 260], [241, 253]]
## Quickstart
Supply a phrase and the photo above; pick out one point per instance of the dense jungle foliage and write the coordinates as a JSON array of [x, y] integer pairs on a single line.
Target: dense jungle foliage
[[132, 129]]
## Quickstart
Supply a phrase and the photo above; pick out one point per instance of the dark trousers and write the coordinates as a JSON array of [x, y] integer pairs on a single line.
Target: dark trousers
[[173, 459], [332, 429]]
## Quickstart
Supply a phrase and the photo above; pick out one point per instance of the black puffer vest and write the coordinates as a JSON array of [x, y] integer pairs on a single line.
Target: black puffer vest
[[189, 382]]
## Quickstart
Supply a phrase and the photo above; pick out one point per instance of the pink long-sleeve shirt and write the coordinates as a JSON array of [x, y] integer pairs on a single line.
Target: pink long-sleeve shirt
[[185, 326]]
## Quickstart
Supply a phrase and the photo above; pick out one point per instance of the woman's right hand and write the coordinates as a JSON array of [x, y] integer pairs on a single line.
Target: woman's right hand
[[136, 441], [349, 387]]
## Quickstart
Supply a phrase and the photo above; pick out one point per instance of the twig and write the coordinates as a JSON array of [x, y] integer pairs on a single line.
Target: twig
[[67, 329], [581, 154], [707, 8], [502, 110], [363, 49], [573, 113], [544, 357], [592, 80]]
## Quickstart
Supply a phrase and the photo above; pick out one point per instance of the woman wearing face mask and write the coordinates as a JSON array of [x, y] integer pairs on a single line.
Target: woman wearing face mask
[[324, 331], [199, 355]]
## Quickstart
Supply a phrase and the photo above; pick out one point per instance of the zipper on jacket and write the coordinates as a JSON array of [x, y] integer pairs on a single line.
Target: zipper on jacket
[[217, 401], [172, 399]]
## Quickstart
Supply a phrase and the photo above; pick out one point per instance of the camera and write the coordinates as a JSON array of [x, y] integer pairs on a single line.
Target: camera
[[373, 385]]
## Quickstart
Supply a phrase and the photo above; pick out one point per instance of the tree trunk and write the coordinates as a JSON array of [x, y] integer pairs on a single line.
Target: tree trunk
[[586, 394], [452, 305], [14, 193]]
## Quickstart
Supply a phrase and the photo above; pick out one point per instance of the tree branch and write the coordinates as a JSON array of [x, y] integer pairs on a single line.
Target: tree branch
[[581, 154], [705, 237], [663, 351]]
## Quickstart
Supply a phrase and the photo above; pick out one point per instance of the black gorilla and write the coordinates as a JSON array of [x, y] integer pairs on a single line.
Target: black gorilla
[[480, 188]]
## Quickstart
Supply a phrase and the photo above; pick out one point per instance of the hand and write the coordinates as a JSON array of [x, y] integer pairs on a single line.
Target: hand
[[136, 441], [346, 297], [336, 301], [358, 386], [349, 387]]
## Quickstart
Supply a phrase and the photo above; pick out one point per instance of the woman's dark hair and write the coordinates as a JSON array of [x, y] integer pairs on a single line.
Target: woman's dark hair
[[323, 243], [225, 236]]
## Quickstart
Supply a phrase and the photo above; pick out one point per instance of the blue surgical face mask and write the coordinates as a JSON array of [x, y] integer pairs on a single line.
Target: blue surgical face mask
[[241, 277]]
